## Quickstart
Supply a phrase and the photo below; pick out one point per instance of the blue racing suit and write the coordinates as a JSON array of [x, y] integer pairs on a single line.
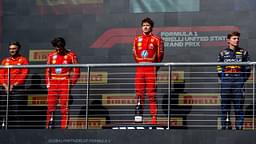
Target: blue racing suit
[[232, 84]]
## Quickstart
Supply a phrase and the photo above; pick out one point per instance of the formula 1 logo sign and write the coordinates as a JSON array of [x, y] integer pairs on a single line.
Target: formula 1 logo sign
[[173, 37]]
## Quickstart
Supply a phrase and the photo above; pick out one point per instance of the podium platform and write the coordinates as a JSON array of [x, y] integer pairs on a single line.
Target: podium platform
[[110, 136]]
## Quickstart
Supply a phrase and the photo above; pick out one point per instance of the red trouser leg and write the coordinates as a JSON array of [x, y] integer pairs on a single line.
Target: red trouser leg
[[150, 77], [52, 97], [140, 84], [58, 89], [64, 100], [146, 78]]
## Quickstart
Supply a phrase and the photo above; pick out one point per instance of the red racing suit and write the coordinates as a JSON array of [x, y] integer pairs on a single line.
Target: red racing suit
[[147, 49], [58, 81], [17, 98], [18, 76]]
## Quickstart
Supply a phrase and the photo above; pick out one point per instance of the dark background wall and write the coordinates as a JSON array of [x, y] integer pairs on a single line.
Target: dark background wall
[[36, 22], [101, 31]]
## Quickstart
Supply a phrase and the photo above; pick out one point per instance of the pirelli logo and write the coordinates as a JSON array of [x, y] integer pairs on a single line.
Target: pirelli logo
[[248, 123], [80, 123], [200, 99], [118, 99], [37, 100], [177, 76], [38, 55], [174, 121], [95, 78]]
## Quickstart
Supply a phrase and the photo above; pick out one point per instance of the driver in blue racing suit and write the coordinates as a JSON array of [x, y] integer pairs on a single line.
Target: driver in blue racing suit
[[233, 78]]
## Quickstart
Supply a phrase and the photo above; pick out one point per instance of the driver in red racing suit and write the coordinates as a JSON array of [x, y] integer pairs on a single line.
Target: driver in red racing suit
[[60, 80], [147, 48]]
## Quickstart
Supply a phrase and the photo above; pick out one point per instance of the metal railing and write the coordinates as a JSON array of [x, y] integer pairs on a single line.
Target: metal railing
[[188, 96]]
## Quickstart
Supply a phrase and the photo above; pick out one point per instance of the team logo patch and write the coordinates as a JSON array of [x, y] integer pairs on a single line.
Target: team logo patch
[[65, 57], [54, 57], [152, 40], [58, 70], [6, 64], [226, 53], [140, 39], [53, 61], [65, 62], [151, 46], [139, 44], [144, 54]]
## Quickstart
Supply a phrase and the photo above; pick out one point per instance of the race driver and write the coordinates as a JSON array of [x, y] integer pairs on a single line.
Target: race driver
[[232, 80], [16, 86], [60, 80], [147, 48]]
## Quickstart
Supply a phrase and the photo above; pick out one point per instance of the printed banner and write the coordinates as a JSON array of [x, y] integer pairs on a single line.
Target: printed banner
[[38, 55], [151, 6], [173, 37], [95, 78], [248, 123], [37, 100], [118, 99], [67, 2], [174, 121], [65, 7], [177, 76], [80, 123], [199, 99]]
